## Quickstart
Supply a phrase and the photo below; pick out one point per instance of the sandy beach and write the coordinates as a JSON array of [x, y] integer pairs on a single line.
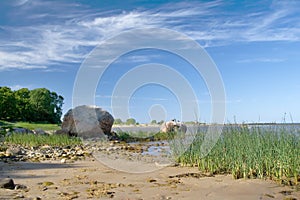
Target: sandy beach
[[91, 179]]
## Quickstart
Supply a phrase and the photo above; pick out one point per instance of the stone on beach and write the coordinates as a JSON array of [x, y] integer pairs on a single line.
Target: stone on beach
[[172, 125], [7, 183], [87, 122]]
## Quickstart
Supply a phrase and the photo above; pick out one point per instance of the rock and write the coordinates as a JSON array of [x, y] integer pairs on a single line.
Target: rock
[[13, 151], [39, 131], [172, 125], [87, 122], [21, 187], [21, 130], [168, 126], [7, 183], [19, 196]]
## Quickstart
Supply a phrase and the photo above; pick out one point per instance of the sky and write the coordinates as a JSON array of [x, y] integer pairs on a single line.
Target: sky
[[254, 46]]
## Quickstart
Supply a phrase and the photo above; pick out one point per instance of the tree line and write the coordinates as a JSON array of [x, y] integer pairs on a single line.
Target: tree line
[[132, 121], [37, 105]]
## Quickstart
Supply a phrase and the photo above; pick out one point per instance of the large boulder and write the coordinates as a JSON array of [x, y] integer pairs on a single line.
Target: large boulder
[[168, 126], [87, 122], [172, 126]]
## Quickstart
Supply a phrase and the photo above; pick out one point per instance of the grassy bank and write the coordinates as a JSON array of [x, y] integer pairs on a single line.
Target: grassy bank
[[144, 136], [30, 126], [31, 140], [249, 154], [33, 126]]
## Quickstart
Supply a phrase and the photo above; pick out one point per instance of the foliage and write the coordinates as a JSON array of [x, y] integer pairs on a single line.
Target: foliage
[[23, 107], [38, 105], [130, 121], [249, 153], [7, 104], [32, 140], [124, 136], [153, 121], [118, 121], [161, 122], [144, 136]]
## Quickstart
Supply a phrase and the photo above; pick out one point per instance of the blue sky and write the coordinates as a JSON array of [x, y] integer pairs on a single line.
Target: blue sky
[[254, 44]]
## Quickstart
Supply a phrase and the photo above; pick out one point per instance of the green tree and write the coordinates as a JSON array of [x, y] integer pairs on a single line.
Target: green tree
[[23, 109], [35, 105], [7, 104], [161, 122], [153, 121], [130, 121], [118, 121], [56, 106], [46, 105]]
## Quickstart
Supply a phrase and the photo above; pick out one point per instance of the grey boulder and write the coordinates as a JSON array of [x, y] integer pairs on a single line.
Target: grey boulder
[[87, 122]]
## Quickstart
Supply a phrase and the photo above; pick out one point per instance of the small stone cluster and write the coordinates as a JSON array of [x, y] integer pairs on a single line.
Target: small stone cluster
[[14, 153], [116, 145], [36, 154]]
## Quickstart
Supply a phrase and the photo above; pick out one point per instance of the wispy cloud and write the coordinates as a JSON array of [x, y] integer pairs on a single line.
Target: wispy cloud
[[131, 98], [17, 87], [264, 60], [50, 33], [138, 58]]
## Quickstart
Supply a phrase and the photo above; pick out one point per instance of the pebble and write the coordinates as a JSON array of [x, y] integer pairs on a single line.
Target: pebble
[[19, 196], [65, 154], [36, 154]]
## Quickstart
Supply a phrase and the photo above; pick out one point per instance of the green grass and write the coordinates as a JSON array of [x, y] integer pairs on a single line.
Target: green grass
[[33, 126], [144, 136], [32, 140], [5, 124], [249, 154]]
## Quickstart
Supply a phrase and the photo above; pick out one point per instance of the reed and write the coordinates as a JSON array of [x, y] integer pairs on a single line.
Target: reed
[[248, 153]]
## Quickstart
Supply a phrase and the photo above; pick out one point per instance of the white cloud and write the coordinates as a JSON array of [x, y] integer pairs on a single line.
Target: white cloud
[[265, 60], [67, 32], [20, 2], [131, 98], [138, 58], [17, 87]]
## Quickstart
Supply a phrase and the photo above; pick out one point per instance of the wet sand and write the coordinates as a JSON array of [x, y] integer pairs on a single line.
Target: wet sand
[[91, 179]]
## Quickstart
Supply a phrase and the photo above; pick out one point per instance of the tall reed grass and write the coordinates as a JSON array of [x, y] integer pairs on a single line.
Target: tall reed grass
[[32, 140], [248, 153]]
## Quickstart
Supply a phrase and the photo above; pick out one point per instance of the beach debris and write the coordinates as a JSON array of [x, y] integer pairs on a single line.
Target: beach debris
[[102, 189], [151, 180], [192, 175]]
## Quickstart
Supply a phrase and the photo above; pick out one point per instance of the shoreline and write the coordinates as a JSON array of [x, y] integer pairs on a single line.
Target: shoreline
[[90, 179], [120, 170]]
